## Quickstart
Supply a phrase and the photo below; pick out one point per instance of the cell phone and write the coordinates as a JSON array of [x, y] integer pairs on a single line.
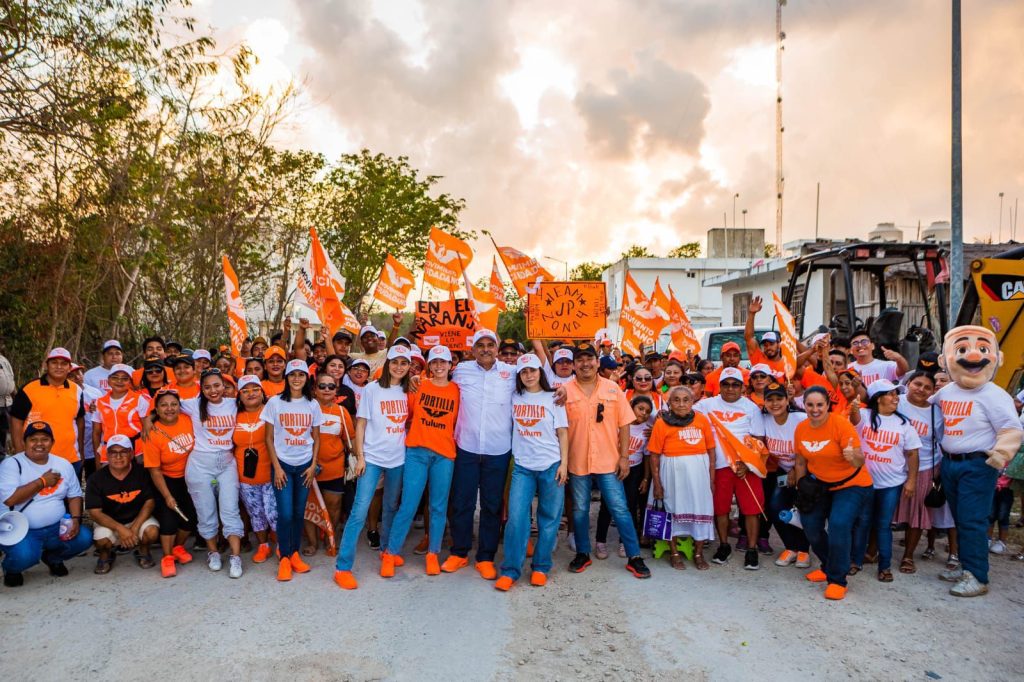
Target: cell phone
[[783, 481], [250, 458]]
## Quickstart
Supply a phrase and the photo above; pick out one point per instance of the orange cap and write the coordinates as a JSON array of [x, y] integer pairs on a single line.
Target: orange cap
[[275, 350]]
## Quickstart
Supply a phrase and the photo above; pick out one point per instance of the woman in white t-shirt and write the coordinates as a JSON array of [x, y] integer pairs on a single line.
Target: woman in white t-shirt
[[212, 462], [293, 421], [928, 421], [890, 445], [540, 449], [380, 453], [780, 422]]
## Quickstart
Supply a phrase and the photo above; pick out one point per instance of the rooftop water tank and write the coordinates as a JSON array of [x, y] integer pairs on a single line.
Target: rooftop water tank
[[938, 231], [885, 232]]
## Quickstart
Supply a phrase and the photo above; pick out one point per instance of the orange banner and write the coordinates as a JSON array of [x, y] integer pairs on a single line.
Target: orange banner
[[497, 286], [394, 284], [787, 336], [316, 513], [566, 310], [752, 453], [485, 306], [236, 309], [446, 258], [660, 304], [525, 272], [683, 337], [639, 323], [319, 282], [448, 323]]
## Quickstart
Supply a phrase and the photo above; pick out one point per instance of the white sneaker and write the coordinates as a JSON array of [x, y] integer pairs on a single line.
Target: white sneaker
[[622, 551], [997, 547], [234, 566], [968, 587], [572, 541], [213, 561]]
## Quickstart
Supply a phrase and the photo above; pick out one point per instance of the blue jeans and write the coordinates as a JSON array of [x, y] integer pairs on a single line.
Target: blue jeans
[[422, 465], [44, 544], [840, 509], [1002, 503], [525, 485], [793, 538], [970, 486], [876, 515], [291, 508], [614, 496], [365, 488], [487, 474]]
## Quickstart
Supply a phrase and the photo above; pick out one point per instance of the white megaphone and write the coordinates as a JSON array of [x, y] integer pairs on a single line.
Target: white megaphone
[[13, 528]]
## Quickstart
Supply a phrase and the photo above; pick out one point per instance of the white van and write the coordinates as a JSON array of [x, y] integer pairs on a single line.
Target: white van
[[713, 338]]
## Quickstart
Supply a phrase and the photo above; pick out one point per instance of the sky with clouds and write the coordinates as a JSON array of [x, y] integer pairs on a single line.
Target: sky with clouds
[[577, 128]]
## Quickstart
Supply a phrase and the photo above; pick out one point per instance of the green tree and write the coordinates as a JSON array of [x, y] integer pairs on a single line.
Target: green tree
[[637, 251], [770, 251], [587, 271], [372, 205], [687, 250]]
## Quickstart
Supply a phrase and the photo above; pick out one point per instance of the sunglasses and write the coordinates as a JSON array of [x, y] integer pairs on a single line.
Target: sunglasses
[[643, 378], [600, 412], [213, 371], [327, 387], [155, 370], [860, 342]]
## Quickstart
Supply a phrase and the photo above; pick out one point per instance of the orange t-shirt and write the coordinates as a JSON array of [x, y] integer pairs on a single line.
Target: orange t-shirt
[[811, 377], [655, 398], [432, 411], [711, 385], [759, 358], [272, 388], [822, 447], [331, 456], [169, 446], [137, 377], [679, 441], [186, 392], [250, 432]]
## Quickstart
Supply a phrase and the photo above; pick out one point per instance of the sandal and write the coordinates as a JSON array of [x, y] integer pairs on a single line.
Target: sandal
[[871, 558], [854, 570], [929, 553], [953, 562], [308, 550], [144, 560], [103, 566], [885, 576], [907, 566], [699, 562], [676, 559]]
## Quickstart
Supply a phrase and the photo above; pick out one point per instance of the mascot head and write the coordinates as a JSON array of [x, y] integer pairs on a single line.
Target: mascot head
[[970, 355]]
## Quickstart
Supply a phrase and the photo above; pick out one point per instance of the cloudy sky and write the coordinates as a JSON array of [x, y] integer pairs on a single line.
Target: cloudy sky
[[576, 128]]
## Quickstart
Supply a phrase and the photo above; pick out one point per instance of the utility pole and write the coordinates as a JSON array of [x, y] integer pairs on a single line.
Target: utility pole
[[779, 128], [817, 210], [1000, 218], [956, 267], [734, 198], [744, 218]]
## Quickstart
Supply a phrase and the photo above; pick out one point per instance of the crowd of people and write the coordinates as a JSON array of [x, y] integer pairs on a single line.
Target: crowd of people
[[229, 448]]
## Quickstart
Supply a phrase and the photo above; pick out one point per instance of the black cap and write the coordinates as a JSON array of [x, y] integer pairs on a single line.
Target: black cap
[[928, 362], [35, 428], [342, 335], [175, 344], [585, 348], [183, 359], [654, 355], [509, 343], [153, 364], [775, 388]]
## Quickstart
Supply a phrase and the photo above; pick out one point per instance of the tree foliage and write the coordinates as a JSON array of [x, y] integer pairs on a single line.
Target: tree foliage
[[637, 251], [687, 250], [587, 271]]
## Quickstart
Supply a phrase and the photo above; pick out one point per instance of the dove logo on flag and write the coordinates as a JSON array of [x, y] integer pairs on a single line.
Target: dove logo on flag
[[395, 283]]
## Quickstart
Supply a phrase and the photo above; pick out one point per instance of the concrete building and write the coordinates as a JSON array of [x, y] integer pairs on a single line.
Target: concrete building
[[736, 243]]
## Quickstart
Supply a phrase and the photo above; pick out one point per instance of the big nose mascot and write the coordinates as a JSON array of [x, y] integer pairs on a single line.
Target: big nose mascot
[[981, 434]]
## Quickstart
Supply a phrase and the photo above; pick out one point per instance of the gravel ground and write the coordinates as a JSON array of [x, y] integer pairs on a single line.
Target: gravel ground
[[726, 623]]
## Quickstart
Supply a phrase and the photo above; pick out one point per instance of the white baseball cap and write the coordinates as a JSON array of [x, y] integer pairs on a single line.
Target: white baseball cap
[[563, 354], [112, 343], [733, 373], [399, 352], [381, 335], [296, 366], [762, 368], [121, 440], [248, 380], [770, 336], [121, 367], [439, 353], [368, 329], [527, 361], [884, 386], [201, 353], [361, 362], [481, 334], [58, 352]]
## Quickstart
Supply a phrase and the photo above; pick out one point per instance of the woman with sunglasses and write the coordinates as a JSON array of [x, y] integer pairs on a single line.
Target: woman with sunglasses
[[780, 425], [760, 376], [211, 473], [154, 377], [334, 367], [253, 459], [335, 441], [890, 444], [380, 453], [643, 385], [293, 421], [165, 453]]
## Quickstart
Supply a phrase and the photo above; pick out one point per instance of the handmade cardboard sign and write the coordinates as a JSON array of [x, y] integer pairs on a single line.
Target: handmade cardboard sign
[[566, 310], [446, 323]]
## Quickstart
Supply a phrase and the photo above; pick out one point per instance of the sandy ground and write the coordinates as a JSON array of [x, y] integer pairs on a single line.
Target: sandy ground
[[725, 623]]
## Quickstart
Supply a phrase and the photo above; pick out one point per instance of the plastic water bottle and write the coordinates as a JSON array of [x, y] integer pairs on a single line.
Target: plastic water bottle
[[65, 527], [791, 516]]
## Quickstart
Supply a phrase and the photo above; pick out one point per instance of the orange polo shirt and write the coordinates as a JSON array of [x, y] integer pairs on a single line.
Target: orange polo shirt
[[59, 406], [593, 445]]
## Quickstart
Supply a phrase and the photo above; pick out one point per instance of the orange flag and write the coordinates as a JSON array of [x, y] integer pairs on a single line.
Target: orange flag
[[446, 257], [394, 284], [660, 304], [497, 286], [316, 513], [485, 306], [750, 451], [319, 281], [683, 336], [639, 323], [787, 336], [524, 270], [236, 309]]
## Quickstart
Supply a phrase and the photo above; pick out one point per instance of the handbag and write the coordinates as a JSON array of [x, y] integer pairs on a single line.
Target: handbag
[[936, 496], [657, 522], [810, 491]]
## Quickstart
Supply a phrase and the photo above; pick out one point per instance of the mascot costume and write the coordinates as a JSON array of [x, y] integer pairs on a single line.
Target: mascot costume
[[981, 434]]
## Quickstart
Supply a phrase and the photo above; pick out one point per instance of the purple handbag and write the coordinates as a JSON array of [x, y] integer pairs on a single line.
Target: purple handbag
[[657, 522]]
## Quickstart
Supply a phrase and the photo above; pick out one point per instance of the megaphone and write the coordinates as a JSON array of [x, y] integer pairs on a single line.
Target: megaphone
[[13, 528], [791, 516]]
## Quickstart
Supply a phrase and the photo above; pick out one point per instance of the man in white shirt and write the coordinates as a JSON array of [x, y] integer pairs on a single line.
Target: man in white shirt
[[872, 369], [483, 439], [7, 390], [37, 483], [97, 376]]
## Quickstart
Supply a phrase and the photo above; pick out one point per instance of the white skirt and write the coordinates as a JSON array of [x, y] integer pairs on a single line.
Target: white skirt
[[942, 517], [686, 483]]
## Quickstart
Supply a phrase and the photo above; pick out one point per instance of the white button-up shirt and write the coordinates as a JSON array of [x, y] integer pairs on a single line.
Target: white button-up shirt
[[484, 425]]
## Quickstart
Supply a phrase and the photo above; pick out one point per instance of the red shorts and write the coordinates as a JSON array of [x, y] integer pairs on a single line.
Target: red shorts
[[749, 492]]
